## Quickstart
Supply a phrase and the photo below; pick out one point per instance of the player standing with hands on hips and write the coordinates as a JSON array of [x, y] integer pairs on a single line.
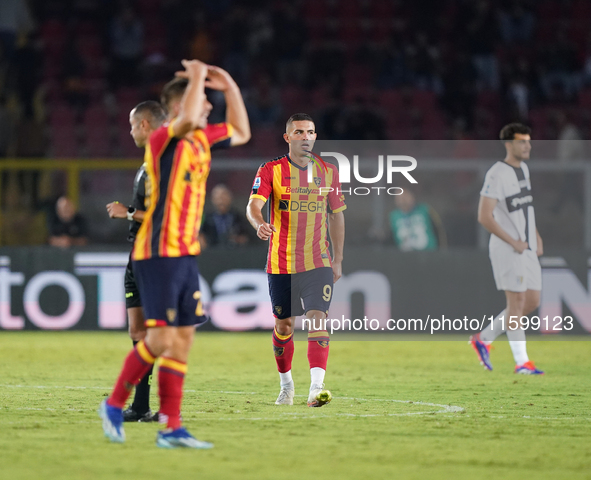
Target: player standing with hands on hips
[[506, 210]]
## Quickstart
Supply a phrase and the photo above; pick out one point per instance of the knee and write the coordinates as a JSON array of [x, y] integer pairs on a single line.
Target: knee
[[531, 305], [158, 343], [517, 302], [283, 327]]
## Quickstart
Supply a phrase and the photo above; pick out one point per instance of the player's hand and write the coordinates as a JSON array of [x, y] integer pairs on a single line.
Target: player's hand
[[117, 210], [218, 79], [265, 231], [520, 246], [337, 271], [540, 249], [193, 69]]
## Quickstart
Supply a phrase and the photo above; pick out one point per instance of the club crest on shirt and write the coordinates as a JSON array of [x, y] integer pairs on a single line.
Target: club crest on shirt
[[171, 314], [317, 181]]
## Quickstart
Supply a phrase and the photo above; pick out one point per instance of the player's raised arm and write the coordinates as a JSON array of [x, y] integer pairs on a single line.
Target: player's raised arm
[[254, 213], [193, 101], [486, 206], [219, 79]]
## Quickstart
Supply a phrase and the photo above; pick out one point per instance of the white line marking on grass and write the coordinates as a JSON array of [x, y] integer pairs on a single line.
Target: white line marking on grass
[[444, 408]]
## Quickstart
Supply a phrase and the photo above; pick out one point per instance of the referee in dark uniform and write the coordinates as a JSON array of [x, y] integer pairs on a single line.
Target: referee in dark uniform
[[139, 411]]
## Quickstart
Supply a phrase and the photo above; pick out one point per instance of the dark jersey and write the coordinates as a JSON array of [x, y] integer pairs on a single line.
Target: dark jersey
[[138, 201]]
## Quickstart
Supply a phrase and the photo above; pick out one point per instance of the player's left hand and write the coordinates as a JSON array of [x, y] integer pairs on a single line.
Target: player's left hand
[[337, 271], [117, 210], [218, 79], [540, 249]]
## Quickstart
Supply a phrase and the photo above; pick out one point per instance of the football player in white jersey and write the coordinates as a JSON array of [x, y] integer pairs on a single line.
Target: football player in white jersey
[[506, 210]]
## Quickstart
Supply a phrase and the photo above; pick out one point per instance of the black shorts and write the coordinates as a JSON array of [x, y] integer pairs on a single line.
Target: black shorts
[[132, 294], [288, 291], [169, 287]]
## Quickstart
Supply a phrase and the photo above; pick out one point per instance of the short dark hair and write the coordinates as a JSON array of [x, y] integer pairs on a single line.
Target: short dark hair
[[298, 117], [508, 131], [152, 111], [172, 90]]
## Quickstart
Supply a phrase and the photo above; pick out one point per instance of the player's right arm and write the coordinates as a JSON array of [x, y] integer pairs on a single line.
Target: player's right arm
[[261, 189], [192, 103], [254, 213], [486, 207]]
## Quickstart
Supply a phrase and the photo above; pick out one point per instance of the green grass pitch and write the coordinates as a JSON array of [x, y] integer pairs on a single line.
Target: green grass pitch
[[463, 422]]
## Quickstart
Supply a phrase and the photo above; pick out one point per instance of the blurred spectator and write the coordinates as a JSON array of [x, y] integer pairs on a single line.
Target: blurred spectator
[[571, 148], [67, 228], [263, 102], [517, 24], [558, 60], [482, 39], [201, 46], [6, 127], [289, 25], [225, 225], [73, 85], [459, 89], [235, 59], [127, 45], [363, 123], [393, 71], [416, 226], [422, 57], [28, 63], [518, 95], [14, 20]]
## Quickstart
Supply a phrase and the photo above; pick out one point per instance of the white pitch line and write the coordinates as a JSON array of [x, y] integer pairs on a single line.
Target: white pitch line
[[445, 408]]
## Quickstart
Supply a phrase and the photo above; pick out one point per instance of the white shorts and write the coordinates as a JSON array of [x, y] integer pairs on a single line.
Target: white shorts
[[515, 272]]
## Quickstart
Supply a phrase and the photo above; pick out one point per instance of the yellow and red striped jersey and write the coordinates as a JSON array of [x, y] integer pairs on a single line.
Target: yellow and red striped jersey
[[299, 211], [177, 171]]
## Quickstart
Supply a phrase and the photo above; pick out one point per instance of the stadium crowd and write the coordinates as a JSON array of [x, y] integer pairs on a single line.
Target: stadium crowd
[[70, 71]]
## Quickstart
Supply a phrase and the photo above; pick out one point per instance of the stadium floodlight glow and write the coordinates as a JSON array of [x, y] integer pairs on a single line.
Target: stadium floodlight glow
[[345, 167]]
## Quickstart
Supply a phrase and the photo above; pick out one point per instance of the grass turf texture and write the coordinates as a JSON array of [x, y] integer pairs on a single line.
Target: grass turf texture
[[511, 426]]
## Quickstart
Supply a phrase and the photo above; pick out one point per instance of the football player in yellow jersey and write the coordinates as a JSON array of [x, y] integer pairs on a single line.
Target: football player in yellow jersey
[[299, 265], [177, 165]]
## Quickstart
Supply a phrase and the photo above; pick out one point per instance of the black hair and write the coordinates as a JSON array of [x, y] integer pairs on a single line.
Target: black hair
[[298, 117], [152, 111], [508, 131], [172, 90]]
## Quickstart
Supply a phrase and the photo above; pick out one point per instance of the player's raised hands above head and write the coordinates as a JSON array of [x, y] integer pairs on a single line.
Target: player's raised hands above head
[[193, 69], [219, 79]]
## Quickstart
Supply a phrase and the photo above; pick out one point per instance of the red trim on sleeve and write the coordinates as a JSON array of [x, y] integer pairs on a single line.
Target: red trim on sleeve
[[158, 141]]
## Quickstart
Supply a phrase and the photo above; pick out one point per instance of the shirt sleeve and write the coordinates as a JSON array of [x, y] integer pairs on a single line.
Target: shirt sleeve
[[336, 198], [492, 185], [263, 183], [219, 135], [160, 138]]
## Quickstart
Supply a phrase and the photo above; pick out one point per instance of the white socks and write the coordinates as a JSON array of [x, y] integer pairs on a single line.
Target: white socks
[[285, 379], [516, 338], [317, 375], [517, 344], [488, 335]]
